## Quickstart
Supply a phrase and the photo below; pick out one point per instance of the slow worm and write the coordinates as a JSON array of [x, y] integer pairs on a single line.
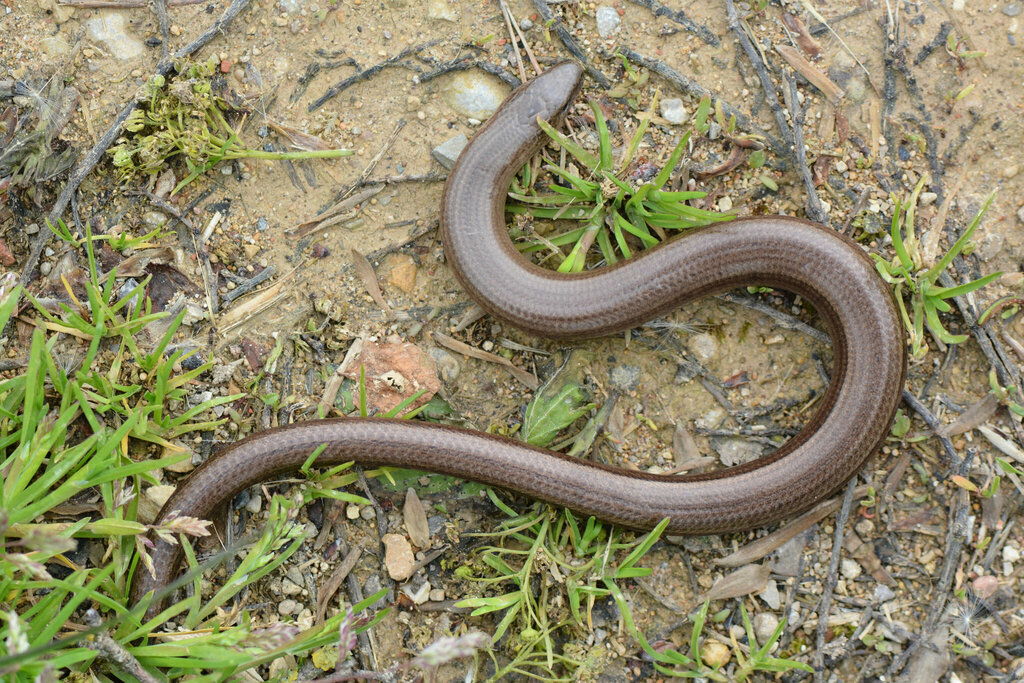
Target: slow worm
[[823, 266]]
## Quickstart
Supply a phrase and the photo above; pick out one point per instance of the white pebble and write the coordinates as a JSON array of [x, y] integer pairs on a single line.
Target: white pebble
[[672, 110], [850, 568], [608, 21]]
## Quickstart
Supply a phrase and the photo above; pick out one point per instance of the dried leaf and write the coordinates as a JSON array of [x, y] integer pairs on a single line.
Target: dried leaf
[[865, 554], [767, 544], [976, 414], [338, 213], [812, 73], [1002, 443], [804, 39], [416, 519], [299, 139], [750, 579], [684, 446], [328, 588], [964, 483], [136, 264], [527, 378], [369, 277]]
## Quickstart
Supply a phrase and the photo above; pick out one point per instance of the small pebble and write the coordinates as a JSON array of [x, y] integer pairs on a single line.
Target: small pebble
[[160, 493], [367, 513], [1012, 10], [448, 151], [352, 512], [448, 367], [850, 569], [608, 21], [927, 198], [1011, 170], [883, 593], [1010, 554], [254, 504], [440, 9], [625, 377], [286, 607], [704, 345], [437, 595], [398, 557], [525, 24], [419, 595], [770, 595], [725, 203], [45, 268], [672, 110], [765, 624], [715, 654], [985, 586]]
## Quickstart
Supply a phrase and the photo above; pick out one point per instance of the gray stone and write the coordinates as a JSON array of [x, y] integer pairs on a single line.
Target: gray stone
[[525, 24], [55, 46], [608, 21], [872, 224], [989, 246], [474, 94], [787, 557], [1012, 10], [372, 586], [856, 88], [110, 28], [154, 219], [448, 151], [736, 451], [1020, 214], [672, 110], [435, 524], [625, 377], [771, 596], [447, 364], [883, 593], [704, 345], [765, 624]]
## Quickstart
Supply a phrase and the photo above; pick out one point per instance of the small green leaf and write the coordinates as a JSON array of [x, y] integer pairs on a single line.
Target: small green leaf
[[552, 410]]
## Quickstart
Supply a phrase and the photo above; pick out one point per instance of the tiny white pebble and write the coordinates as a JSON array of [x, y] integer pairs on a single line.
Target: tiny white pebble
[[850, 568]]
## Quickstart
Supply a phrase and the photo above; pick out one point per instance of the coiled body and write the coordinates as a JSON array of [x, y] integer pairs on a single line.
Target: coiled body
[[788, 253]]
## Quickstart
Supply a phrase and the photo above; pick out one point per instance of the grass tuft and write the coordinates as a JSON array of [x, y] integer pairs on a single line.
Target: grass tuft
[[619, 208]]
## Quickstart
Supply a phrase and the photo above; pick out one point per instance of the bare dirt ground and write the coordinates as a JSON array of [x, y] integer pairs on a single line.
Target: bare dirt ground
[[926, 583]]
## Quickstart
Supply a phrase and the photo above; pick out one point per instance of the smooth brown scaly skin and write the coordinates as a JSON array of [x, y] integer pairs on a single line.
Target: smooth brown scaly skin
[[788, 253]]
